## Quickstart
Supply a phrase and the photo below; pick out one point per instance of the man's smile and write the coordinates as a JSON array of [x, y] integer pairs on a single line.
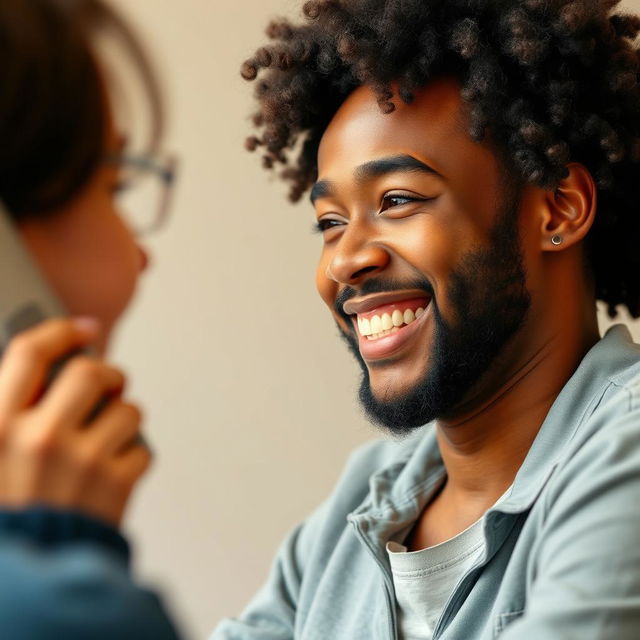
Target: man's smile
[[385, 321], [389, 319]]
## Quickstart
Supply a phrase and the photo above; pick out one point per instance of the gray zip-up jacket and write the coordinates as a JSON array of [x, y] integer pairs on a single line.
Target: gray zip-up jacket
[[562, 553]]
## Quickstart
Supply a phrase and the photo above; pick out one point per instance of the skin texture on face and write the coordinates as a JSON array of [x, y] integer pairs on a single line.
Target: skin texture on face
[[445, 231], [87, 253], [413, 212], [488, 293]]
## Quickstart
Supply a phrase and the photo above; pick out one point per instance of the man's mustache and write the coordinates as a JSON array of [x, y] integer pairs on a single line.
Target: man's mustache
[[378, 285]]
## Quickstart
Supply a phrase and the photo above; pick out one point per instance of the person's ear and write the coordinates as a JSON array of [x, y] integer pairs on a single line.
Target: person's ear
[[570, 210]]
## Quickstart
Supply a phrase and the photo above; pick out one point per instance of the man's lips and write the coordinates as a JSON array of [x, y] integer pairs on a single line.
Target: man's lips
[[384, 322], [392, 342], [369, 304]]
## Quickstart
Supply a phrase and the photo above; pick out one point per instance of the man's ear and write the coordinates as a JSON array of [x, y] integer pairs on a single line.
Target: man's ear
[[570, 210]]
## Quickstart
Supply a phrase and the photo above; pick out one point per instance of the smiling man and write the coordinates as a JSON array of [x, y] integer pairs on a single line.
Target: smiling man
[[473, 169]]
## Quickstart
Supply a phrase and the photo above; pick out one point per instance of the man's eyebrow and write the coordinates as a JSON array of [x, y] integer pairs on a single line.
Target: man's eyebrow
[[394, 164], [321, 189], [375, 169]]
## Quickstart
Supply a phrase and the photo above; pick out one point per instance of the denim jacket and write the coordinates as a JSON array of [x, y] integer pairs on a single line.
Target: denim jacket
[[66, 575], [562, 552]]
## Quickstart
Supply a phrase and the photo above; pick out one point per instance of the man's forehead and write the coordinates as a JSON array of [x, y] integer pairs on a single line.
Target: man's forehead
[[435, 113]]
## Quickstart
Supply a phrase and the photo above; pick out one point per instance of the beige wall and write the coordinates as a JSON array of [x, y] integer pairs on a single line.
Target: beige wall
[[249, 395]]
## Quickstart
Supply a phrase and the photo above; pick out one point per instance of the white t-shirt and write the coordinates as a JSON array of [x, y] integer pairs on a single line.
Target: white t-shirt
[[425, 579]]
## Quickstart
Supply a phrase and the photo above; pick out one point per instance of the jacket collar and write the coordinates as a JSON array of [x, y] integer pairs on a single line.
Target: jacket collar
[[399, 492], [605, 362]]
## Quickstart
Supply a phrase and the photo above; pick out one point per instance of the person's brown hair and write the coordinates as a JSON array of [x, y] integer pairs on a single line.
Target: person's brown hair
[[53, 110]]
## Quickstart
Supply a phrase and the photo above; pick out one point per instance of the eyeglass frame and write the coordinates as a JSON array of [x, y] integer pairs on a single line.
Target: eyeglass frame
[[163, 167]]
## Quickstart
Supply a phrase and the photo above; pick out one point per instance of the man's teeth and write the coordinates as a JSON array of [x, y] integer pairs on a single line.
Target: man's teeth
[[380, 326]]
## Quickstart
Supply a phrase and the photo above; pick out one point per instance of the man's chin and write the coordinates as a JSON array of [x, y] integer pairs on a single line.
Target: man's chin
[[386, 394], [398, 411]]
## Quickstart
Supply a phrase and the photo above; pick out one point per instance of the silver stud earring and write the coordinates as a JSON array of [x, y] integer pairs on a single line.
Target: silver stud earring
[[556, 240]]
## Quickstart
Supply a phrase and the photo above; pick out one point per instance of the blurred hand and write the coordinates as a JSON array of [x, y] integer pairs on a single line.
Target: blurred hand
[[49, 452]]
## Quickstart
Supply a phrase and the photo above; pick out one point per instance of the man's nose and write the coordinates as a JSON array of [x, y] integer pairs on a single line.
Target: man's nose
[[355, 256]]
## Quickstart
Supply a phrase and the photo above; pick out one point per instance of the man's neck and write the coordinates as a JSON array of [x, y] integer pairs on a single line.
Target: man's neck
[[484, 445]]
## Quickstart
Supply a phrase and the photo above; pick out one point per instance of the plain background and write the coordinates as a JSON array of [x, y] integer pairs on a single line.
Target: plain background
[[248, 393]]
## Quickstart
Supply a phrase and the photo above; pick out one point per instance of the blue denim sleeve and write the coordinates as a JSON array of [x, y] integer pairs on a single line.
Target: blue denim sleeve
[[66, 576]]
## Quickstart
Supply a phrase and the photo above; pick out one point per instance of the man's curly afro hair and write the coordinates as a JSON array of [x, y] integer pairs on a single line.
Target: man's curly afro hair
[[554, 81]]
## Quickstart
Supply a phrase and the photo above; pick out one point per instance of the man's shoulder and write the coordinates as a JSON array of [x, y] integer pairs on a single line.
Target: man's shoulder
[[606, 438], [604, 393], [617, 355], [619, 398], [624, 354]]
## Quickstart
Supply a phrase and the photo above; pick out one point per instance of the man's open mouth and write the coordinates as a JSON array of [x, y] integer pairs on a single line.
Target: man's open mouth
[[390, 318]]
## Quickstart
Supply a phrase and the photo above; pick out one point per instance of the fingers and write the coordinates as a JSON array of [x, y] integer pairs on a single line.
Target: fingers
[[131, 465], [57, 450], [30, 355], [81, 384], [125, 471], [122, 471], [116, 430]]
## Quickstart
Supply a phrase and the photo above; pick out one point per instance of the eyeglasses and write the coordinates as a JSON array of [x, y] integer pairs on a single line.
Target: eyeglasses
[[145, 189]]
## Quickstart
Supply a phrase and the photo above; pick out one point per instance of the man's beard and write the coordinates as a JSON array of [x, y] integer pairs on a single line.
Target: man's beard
[[490, 301]]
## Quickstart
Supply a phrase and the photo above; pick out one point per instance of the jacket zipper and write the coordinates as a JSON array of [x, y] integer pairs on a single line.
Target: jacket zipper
[[451, 605], [388, 587]]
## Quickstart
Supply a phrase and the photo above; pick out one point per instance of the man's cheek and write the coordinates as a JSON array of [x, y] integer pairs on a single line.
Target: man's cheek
[[325, 287]]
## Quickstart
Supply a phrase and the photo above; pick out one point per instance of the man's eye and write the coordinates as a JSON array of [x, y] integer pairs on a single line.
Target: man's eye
[[396, 201], [324, 224]]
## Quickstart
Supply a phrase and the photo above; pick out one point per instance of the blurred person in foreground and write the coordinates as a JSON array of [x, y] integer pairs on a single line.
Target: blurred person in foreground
[[473, 165], [64, 484]]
